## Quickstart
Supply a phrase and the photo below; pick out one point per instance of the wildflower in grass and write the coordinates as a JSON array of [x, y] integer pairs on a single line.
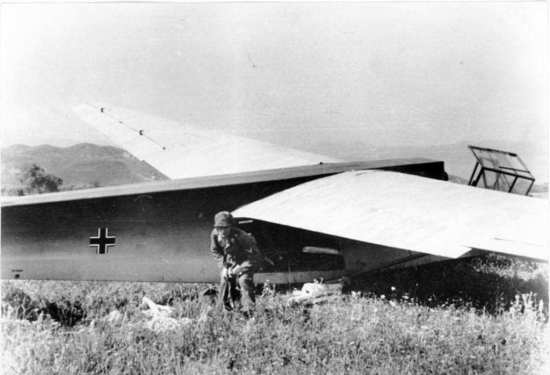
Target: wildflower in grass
[[268, 289], [356, 312], [356, 335]]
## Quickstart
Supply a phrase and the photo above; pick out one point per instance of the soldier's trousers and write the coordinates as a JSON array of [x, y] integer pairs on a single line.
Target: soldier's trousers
[[238, 290]]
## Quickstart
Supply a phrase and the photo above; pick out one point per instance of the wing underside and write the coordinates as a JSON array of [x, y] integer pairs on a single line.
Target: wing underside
[[410, 212], [183, 150]]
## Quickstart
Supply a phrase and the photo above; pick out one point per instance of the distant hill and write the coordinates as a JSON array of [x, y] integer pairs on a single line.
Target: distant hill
[[80, 166], [87, 165]]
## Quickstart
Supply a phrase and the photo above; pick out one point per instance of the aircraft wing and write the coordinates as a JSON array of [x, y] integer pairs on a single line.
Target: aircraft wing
[[412, 213], [183, 150]]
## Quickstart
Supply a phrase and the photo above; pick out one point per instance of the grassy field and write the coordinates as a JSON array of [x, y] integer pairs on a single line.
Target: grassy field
[[436, 319]]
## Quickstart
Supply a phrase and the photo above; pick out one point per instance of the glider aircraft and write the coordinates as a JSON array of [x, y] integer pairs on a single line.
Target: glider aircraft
[[313, 216]]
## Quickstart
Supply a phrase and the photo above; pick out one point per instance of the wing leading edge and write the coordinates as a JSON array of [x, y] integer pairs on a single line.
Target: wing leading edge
[[411, 212], [182, 150]]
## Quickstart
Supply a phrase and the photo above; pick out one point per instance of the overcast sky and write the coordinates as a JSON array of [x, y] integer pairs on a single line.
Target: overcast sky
[[382, 73]]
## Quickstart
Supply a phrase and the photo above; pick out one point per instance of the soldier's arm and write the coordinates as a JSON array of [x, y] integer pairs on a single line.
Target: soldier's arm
[[248, 244], [215, 248]]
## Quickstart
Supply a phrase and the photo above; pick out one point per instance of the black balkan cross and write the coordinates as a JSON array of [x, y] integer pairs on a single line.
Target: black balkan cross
[[102, 241]]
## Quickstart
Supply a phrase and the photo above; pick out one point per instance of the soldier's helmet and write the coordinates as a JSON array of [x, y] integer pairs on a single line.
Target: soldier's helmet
[[223, 219]]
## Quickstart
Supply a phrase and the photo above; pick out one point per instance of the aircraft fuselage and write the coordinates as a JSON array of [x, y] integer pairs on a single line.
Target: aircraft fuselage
[[159, 235]]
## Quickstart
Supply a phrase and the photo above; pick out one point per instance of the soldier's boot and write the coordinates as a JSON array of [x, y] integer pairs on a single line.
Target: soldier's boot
[[226, 296], [248, 298]]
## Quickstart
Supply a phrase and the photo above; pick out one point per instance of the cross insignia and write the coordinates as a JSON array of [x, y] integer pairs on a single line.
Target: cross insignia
[[102, 241]]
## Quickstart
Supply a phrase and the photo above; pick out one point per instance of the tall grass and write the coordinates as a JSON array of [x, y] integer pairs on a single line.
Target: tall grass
[[352, 335]]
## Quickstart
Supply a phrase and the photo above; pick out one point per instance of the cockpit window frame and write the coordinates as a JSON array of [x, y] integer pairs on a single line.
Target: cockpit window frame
[[503, 164]]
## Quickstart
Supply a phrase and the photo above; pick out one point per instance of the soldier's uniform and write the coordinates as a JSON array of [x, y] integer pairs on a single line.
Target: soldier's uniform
[[237, 252]]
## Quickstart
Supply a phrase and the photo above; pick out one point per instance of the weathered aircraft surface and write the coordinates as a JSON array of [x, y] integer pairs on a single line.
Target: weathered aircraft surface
[[313, 216]]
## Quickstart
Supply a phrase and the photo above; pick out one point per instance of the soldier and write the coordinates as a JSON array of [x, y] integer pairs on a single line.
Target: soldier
[[237, 252]]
